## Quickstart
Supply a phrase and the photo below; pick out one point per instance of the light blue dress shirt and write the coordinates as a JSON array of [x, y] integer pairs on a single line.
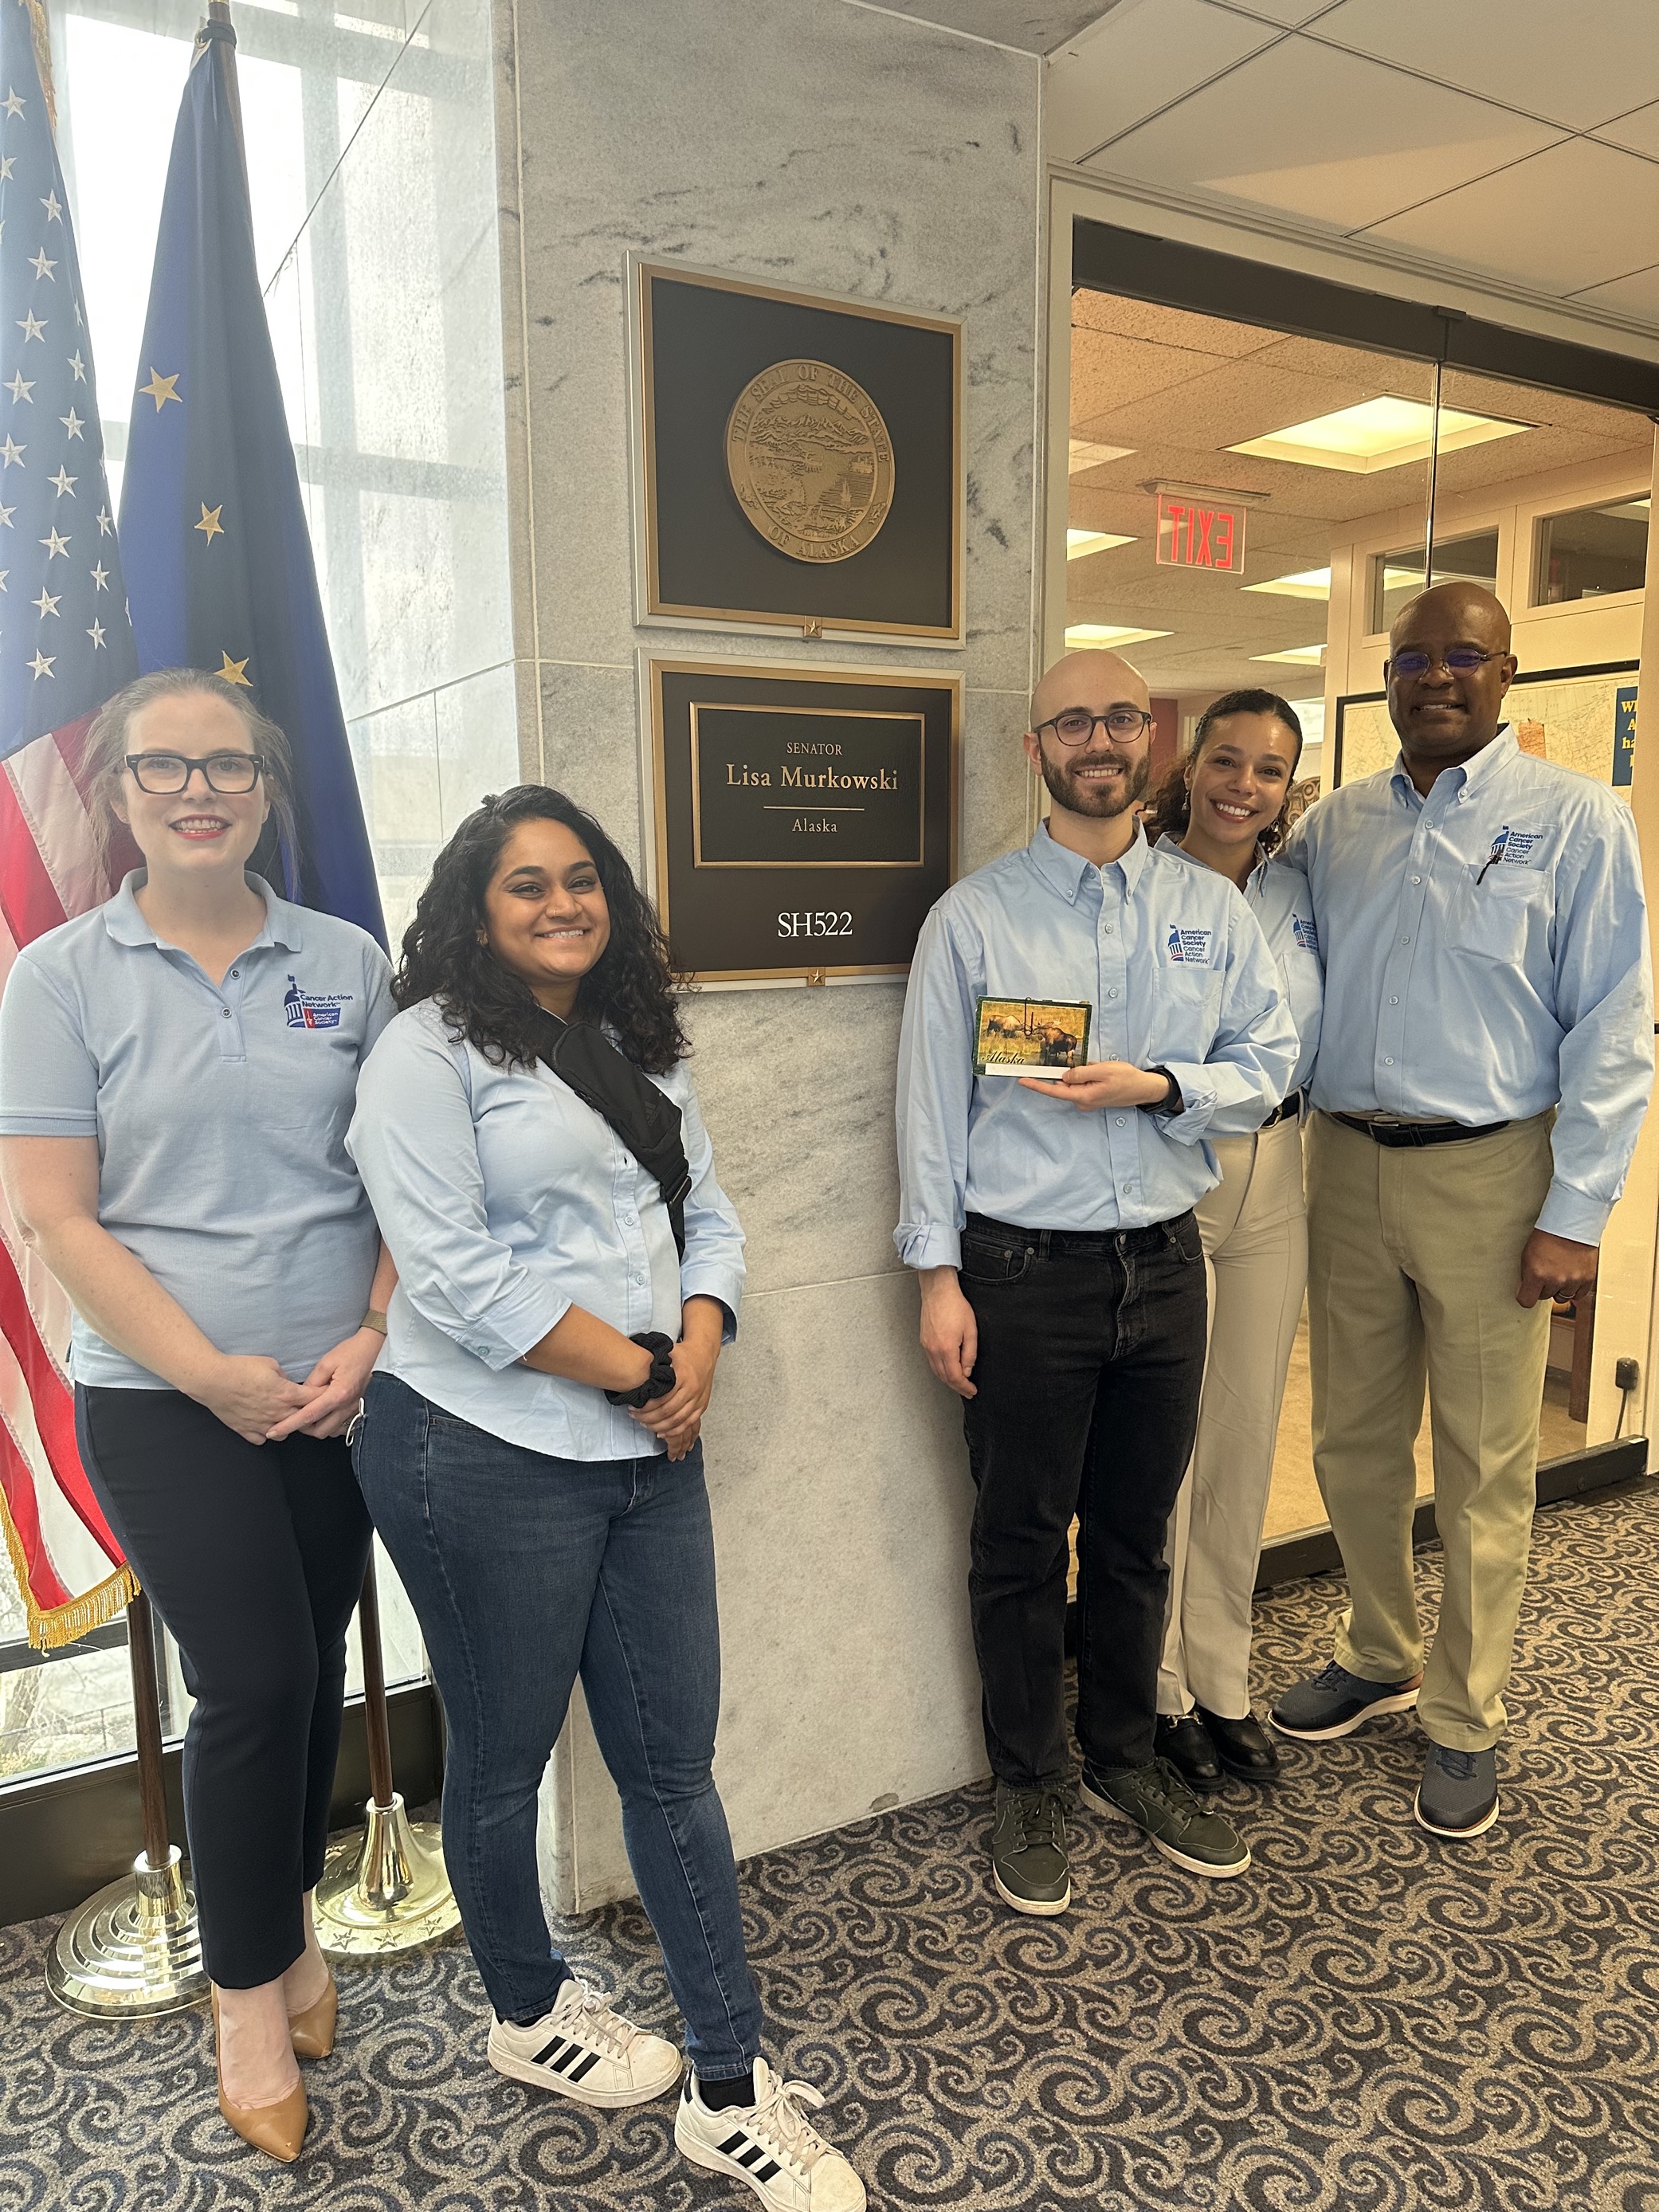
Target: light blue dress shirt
[[1486, 958], [1278, 896], [219, 1112], [504, 1201], [1177, 974]]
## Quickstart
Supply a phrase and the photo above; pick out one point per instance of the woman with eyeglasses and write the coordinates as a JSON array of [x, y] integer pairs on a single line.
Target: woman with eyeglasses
[[1224, 807], [177, 1072]]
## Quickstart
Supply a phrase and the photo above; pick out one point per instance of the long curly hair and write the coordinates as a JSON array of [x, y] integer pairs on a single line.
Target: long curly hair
[[629, 989], [1172, 810]]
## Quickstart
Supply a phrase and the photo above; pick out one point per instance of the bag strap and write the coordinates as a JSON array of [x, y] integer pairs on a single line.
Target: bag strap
[[649, 1123]]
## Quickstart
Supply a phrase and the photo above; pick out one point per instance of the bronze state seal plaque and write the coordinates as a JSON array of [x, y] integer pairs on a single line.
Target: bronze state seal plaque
[[810, 460]]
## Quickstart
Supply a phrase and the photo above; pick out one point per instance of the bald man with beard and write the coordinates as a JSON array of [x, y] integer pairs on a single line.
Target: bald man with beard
[[1051, 1224], [1483, 1070]]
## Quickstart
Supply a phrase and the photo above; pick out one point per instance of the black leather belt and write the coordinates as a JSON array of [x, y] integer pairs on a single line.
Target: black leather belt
[[1397, 1136], [1075, 1243], [1286, 1111]]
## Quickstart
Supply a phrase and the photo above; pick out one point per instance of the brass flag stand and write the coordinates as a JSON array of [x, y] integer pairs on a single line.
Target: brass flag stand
[[384, 1888], [134, 1949]]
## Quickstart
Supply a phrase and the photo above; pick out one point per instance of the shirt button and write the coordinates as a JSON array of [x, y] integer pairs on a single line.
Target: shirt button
[[1111, 994], [1394, 1002], [1417, 879], [234, 973], [1405, 940], [225, 1011], [1122, 1120], [1388, 1063]]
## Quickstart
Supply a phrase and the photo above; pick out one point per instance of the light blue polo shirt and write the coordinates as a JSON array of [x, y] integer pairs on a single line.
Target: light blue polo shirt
[[221, 1115]]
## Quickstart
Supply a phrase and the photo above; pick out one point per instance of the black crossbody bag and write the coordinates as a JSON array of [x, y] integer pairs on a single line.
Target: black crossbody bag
[[580, 1054]]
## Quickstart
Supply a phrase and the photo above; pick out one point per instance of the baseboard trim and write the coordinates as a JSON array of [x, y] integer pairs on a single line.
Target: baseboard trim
[[63, 1836]]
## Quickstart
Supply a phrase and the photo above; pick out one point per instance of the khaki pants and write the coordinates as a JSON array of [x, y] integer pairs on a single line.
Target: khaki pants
[[1255, 1229], [1413, 1259]]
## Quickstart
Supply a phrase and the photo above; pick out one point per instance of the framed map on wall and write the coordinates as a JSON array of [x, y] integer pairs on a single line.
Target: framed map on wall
[[1582, 717]]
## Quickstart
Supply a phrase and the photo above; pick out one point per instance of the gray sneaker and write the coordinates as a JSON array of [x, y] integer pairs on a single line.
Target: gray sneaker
[[1334, 1702], [1457, 1796], [1160, 1802], [1029, 1863]]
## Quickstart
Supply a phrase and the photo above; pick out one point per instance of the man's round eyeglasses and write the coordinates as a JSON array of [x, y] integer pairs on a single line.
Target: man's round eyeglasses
[[164, 775], [1458, 660], [1077, 725]]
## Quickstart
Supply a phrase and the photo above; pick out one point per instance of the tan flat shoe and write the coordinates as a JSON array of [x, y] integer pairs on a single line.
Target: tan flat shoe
[[279, 2128], [312, 2032]]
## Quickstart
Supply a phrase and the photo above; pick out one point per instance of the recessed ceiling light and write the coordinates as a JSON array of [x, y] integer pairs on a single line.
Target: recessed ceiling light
[[1085, 454], [1377, 434], [1299, 656], [1106, 636], [1308, 584], [1079, 543]]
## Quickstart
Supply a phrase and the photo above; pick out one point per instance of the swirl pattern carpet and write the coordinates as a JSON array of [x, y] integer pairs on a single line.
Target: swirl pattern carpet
[[1367, 2022]]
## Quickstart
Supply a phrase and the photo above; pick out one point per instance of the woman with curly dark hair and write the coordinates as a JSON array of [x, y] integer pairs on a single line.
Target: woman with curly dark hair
[[1223, 806], [569, 1268]]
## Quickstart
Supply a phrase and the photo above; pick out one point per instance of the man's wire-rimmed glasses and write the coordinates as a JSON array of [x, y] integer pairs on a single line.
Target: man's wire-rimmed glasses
[[1457, 660], [164, 775], [1077, 725]]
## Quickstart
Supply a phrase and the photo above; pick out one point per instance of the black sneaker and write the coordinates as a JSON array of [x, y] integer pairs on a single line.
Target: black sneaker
[[1027, 1850], [1458, 1795], [1160, 1802], [1183, 1740], [1333, 1703]]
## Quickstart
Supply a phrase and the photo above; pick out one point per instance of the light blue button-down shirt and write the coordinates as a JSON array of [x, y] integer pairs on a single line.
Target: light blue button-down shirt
[[1278, 896], [1486, 958], [1177, 974], [504, 1201], [219, 1112]]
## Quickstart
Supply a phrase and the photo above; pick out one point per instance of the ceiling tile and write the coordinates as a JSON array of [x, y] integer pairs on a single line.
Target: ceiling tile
[[1636, 294], [1364, 140], [1144, 54], [1516, 51], [1639, 130], [1573, 217], [1110, 372], [1289, 13], [1176, 326]]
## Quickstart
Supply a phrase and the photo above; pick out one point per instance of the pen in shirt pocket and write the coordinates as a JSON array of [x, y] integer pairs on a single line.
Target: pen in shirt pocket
[[1499, 844]]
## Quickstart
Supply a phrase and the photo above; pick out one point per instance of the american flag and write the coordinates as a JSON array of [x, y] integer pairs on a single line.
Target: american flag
[[65, 647]]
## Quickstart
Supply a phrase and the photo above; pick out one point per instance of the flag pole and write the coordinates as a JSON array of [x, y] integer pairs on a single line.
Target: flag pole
[[134, 1948], [384, 1887]]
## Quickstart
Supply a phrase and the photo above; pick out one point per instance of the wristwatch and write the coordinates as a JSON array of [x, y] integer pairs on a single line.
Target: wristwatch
[[661, 1379], [1171, 1103]]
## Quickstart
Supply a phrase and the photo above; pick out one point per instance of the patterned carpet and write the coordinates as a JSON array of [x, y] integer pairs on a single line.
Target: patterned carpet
[[1367, 2021]]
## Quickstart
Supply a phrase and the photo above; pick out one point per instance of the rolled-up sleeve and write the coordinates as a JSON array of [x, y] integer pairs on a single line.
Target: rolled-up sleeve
[[1247, 1068], [713, 1266], [413, 1141], [48, 1079], [1604, 1002], [935, 1092]]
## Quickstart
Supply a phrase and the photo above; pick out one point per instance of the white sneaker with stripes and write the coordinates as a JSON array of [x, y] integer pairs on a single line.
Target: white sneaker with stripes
[[584, 2049], [771, 2145]]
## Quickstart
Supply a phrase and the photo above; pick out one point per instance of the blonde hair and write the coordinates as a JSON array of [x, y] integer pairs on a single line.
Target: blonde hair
[[107, 740]]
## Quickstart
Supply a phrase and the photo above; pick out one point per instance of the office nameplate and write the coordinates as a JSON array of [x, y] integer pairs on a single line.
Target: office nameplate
[[806, 786]]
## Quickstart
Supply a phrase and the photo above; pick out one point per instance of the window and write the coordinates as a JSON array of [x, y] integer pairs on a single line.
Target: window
[[1591, 550], [1399, 576]]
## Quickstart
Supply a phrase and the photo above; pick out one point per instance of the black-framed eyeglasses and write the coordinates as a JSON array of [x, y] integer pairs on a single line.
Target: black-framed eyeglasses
[[1077, 725], [164, 775], [1457, 660]]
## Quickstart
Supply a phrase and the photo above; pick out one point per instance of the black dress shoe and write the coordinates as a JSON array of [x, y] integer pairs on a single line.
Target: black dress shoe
[[1182, 1738], [1242, 1747]]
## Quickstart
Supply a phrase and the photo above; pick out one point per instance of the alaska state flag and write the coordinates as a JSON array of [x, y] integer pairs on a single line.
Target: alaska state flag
[[213, 536]]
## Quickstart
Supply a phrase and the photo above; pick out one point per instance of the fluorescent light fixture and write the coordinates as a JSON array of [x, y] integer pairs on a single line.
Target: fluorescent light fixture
[[1296, 656], [1106, 636], [1084, 454], [1377, 434], [1308, 584], [1079, 543]]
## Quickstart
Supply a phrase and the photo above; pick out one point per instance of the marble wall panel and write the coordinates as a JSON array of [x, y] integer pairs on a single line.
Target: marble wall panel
[[591, 746], [838, 1482], [477, 740]]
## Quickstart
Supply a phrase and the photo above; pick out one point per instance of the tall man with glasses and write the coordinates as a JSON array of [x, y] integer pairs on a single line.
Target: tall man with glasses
[[1062, 1277], [1483, 1071]]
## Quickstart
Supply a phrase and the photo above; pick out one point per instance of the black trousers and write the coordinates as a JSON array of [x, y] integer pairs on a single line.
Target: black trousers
[[1091, 1360], [253, 1555]]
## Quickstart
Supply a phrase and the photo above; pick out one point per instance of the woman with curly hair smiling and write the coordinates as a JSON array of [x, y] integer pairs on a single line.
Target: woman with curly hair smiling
[[569, 1268]]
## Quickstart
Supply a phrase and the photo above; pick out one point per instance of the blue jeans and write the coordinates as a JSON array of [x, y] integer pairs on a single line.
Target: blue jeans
[[525, 1570]]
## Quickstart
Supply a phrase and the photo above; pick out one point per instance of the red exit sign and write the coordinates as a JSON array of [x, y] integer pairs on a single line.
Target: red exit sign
[[1192, 534]]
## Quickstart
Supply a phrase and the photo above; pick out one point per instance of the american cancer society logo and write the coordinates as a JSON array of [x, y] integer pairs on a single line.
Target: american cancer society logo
[[302, 1009], [1191, 946]]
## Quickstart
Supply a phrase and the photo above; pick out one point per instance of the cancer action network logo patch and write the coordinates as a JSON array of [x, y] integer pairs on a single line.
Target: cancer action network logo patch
[[308, 1010], [1191, 947]]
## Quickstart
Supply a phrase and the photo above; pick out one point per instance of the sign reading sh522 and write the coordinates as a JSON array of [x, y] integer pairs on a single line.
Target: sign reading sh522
[[1194, 533]]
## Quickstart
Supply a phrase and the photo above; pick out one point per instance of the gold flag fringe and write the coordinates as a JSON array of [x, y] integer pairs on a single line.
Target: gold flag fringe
[[53, 1626], [42, 31]]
